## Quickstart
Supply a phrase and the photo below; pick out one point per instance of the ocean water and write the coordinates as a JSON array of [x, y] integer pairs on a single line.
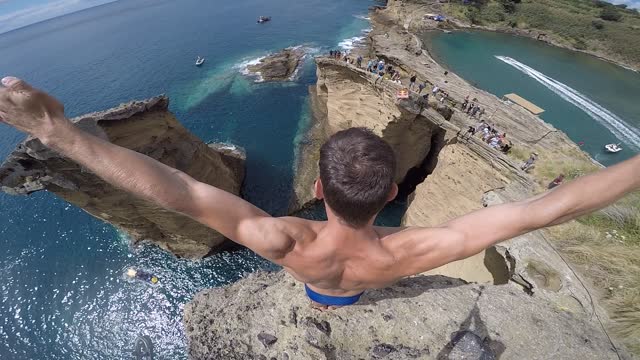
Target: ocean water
[[61, 280], [591, 100]]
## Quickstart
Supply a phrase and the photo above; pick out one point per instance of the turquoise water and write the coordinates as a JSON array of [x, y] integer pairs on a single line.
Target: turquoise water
[[591, 100], [61, 279]]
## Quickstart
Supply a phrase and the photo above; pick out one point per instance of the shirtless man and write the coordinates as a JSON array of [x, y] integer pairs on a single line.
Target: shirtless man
[[337, 259]]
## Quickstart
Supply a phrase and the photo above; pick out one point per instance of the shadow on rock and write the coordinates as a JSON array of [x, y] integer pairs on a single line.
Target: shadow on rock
[[410, 288], [472, 341]]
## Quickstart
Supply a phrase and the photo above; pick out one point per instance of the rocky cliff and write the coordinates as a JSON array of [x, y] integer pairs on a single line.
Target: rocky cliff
[[529, 302], [266, 316], [347, 97], [148, 128], [526, 278]]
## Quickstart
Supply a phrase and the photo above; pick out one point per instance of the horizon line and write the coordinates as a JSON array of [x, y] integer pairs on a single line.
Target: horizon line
[[58, 17]]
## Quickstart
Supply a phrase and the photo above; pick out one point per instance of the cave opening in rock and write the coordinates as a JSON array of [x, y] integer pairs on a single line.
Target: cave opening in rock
[[417, 175]]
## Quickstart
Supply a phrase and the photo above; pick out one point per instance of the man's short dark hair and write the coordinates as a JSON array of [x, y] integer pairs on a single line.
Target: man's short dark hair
[[357, 170]]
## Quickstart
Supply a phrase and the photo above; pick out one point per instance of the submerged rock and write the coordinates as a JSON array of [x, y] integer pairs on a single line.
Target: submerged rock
[[279, 66], [148, 128], [424, 317]]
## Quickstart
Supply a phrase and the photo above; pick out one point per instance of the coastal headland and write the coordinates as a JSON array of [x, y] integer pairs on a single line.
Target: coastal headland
[[444, 175], [519, 299]]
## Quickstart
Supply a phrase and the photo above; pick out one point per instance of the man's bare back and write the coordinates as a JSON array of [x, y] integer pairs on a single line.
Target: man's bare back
[[345, 255]]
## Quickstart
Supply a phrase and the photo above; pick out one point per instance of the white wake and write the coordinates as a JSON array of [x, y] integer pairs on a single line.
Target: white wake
[[611, 121]]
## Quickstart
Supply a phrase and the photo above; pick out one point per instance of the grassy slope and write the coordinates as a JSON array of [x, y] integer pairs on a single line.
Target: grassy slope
[[605, 245], [567, 22]]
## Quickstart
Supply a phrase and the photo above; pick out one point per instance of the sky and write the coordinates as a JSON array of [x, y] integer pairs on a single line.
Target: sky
[[631, 3], [18, 13]]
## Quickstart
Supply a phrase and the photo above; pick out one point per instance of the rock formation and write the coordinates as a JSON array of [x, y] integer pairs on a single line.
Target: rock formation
[[279, 66], [148, 128], [267, 316], [446, 176], [347, 97]]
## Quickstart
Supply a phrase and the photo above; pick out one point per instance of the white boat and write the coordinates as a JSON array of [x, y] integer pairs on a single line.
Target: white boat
[[264, 19], [199, 61], [613, 148]]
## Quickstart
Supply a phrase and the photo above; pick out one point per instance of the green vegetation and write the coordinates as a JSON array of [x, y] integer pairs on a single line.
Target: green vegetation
[[610, 13], [576, 23], [604, 245], [518, 153]]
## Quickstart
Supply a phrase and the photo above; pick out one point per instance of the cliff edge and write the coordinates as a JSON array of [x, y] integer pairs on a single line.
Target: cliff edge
[[423, 317], [150, 129]]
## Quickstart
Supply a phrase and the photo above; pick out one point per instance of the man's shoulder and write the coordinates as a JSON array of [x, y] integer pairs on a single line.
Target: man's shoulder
[[410, 236], [299, 229]]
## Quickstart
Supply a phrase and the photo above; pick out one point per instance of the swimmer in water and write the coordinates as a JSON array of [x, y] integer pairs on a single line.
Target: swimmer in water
[[141, 275]]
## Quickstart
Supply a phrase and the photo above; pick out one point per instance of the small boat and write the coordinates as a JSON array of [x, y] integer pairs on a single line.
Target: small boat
[[264, 19], [199, 61], [613, 148], [143, 349]]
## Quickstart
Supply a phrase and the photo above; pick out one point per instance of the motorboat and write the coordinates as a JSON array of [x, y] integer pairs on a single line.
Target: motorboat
[[264, 19], [143, 349], [613, 148], [199, 61]]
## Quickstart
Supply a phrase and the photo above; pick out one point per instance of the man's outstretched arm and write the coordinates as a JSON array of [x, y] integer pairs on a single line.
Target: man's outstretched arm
[[470, 234], [42, 116]]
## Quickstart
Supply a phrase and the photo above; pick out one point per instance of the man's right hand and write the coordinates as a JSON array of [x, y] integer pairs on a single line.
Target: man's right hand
[[30, 110]]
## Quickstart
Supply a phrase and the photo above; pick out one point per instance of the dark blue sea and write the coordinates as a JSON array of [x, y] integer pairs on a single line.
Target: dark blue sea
[[61, 271]]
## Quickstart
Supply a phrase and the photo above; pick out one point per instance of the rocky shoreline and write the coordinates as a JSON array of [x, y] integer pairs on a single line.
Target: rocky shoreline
[[281, 66], [519, 299], [149, 128], [533, 34], [528, 303], [406, 10]]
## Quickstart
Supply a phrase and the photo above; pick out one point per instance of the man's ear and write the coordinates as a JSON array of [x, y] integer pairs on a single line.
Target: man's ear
[[317, 189], [393, 193]]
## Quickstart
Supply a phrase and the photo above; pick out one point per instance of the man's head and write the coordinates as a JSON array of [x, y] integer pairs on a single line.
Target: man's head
[[357, 170]]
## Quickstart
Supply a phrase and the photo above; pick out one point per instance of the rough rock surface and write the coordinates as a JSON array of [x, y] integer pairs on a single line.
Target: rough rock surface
[[148, 128], [459, 175], [279, 66], [347, 97], [424, 317]]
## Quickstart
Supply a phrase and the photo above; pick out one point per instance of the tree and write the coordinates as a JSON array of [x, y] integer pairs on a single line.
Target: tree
[[610, 13], [509, 5], [473, 14]]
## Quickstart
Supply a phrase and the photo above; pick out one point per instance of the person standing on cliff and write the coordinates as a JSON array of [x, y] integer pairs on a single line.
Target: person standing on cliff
[[556, 182], [412, 81], [342, 257]]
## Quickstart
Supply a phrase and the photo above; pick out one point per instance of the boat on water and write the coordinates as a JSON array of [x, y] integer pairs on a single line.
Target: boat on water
[[613, 148], [143, 349], [264, 19], [199, 61]]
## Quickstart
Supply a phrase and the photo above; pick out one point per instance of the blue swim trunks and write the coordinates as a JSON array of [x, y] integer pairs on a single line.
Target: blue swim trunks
[[332, 300]]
